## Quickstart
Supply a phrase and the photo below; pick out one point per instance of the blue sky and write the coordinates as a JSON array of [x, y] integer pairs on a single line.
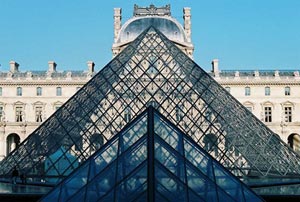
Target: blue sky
[[242, 34]]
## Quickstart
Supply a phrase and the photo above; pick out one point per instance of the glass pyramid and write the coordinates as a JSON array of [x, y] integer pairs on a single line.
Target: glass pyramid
[[151, 70], [151, 160]]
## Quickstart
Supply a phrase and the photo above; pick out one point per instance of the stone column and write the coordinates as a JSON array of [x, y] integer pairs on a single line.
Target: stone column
[[117, 22], [2, 142], [187, 23]]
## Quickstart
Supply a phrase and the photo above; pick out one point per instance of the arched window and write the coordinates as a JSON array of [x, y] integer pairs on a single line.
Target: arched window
[[12, 142], [58, 91], [39, 91], [19, 91], [287, 90], [267, 91], [247, 91], [294, 142]]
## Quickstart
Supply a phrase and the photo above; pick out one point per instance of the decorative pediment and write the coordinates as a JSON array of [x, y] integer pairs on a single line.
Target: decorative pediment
[[287, 104]]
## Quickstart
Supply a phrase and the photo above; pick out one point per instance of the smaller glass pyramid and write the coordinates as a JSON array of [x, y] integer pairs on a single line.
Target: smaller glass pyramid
[[151, 160]]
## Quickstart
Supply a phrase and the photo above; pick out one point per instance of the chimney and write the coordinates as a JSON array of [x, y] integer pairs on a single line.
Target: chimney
[[117, 22], [215, 67], [52, 66], [187, 23], [14, 67], [91, 66]]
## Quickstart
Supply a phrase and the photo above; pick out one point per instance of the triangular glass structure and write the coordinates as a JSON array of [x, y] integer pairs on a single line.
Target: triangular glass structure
[[151, 70], [151, 160]]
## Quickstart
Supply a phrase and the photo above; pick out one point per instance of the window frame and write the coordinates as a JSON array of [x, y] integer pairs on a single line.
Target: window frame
[[38, 113], [268, 114], [288, 114], [58, 91], [267, 91], [287, 91], [19, 114], [39, 91], [247, 91], [19, 91]]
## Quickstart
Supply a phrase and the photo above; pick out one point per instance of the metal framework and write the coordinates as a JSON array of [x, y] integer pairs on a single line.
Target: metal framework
[[151, 70], [151, 160]]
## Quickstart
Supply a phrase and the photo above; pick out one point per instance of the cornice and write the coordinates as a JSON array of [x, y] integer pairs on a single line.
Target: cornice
[[253, 81], [42, 82]]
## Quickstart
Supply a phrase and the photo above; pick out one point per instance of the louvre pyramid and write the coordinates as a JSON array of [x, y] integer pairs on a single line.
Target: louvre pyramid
[[151, 160], [151, 70]]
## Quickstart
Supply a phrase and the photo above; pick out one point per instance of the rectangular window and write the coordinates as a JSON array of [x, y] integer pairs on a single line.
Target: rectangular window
[[287, 91], [1, 113], [268, 114], [58, 91], [19, 114], [38, 91], [39, 114], [267, 91], [19, 91], [288, 114], [0, 91], [247, 91]]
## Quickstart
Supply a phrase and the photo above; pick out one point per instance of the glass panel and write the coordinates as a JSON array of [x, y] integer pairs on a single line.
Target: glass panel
[[169, 187], [173, 162], [229, 184], [131, 159], [131, 187], [101, 160], [77, 181], [132, 134], [105, 181], [198, 159], [165, 132]]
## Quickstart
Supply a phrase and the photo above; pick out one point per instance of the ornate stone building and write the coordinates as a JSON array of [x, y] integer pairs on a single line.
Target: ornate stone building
[[272, 96], [28, 98]]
